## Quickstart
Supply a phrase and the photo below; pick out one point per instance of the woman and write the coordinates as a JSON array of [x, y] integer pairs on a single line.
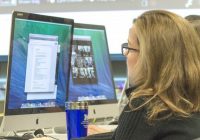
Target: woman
[[163, 60]]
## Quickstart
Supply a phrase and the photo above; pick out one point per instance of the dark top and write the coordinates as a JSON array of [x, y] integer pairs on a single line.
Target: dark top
[[132, 125]]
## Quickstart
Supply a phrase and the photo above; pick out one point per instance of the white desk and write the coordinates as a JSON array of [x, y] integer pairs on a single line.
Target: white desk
[[58, 136], [93, 129]]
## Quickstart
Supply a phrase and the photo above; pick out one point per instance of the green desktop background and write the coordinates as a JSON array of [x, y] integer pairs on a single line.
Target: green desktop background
[[105, 85], [19, 49]]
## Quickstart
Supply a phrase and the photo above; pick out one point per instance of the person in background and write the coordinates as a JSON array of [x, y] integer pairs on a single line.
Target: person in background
[[195, 21], [163, 62]]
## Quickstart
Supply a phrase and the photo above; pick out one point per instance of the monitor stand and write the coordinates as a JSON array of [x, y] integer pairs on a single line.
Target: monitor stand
[[32, 121]]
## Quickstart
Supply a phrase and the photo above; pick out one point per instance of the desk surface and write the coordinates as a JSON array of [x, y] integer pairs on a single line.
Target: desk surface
[[92, 129], [57, 136], [95, 129]]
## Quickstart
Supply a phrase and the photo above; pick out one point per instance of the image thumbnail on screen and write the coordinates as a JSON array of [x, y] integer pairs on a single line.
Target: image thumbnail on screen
[[82, 63]]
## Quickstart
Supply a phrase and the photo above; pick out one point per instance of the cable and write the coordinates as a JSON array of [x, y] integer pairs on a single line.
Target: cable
[[28, 135], [40, 133], [13, 138], [51, 137], [15, 133]]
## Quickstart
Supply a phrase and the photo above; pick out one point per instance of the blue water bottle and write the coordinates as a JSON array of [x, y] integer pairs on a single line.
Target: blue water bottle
[[77, 119]]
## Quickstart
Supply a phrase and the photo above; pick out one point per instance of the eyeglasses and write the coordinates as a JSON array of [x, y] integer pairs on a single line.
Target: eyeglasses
[[125, 49]]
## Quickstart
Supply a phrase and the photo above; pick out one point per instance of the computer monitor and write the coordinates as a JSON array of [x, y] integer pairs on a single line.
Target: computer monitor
[[38, 71], [91, 75]]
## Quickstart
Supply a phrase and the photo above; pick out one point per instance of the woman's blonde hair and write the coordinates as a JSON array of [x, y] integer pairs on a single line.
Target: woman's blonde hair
[[168, 66]]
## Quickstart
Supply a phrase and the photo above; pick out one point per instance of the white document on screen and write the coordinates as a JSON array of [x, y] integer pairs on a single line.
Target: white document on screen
[[41, 66]]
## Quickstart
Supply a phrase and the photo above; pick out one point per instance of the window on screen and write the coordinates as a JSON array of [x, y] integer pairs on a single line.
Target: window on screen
[[41, 67], [83, 64]]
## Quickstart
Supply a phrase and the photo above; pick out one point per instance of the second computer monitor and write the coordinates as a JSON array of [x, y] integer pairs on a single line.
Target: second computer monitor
[[91, 76]]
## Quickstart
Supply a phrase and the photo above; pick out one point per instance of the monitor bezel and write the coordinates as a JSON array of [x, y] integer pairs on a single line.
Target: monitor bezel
[[44, 18], [99, 27]]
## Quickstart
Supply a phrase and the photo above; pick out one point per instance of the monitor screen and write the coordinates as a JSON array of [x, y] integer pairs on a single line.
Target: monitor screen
[[39, 65], [91, 76]]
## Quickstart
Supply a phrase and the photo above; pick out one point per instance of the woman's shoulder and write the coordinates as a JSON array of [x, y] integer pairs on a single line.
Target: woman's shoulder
[[174, 120], [179, 127]]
